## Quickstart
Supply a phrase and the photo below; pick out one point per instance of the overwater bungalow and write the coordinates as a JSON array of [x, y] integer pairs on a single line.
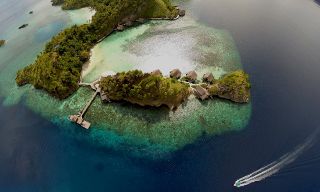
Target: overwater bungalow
[[208, 78], [175, 73], [156, 72], [200, 92], [191, 76]]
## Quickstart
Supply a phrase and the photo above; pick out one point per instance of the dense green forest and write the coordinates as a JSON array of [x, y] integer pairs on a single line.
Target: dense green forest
[[145, 89], [234, 86], [57, 69], [156, 90]]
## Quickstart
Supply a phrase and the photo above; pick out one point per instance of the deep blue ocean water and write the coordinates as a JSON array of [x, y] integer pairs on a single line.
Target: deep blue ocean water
[[279, 46]]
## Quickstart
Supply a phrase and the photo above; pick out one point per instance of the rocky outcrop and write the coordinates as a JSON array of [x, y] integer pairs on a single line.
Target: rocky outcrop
[[2, 42], [234, 86], [23, 26]]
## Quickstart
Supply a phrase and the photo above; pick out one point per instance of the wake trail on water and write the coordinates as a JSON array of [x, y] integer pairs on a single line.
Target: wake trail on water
[[275, 166]]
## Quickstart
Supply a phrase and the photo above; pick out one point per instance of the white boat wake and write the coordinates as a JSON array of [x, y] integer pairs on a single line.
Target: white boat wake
[[275, 166]]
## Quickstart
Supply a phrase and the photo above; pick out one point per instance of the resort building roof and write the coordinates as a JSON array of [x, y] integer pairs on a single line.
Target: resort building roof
[[200, 92], [208, 78], [156, 72], [175, 73], [191, 76]]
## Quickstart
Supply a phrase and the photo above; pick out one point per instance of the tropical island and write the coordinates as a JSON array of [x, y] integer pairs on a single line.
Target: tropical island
[[2, 42], [153, 89], [57, 69]]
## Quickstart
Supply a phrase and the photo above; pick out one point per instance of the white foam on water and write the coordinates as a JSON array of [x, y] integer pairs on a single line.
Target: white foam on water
[[276, 166]]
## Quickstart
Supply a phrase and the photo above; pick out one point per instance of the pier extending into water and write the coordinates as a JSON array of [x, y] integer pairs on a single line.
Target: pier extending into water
[[79, 118]]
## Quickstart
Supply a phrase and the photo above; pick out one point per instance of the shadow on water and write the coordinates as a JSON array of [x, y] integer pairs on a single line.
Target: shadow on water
[[146, 114]]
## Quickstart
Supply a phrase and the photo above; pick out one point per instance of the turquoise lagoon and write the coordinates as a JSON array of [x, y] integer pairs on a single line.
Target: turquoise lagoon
[[164, 45]]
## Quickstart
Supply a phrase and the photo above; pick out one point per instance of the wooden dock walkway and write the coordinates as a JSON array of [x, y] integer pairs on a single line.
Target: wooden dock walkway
[[94, 85], [85, 109], [79, 119], [84, 84]]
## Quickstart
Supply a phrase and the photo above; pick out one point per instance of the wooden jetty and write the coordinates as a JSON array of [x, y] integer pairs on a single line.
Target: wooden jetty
[[93, 85], [79, 118]]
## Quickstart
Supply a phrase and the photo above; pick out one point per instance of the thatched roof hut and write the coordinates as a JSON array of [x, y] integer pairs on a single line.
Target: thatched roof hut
[[23, 26], [200, 92], [208, 78], [176, 73], [191, 76], [156, 72]]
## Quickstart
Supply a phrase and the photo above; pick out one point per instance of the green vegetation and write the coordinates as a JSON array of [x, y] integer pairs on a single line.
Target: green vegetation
[[155, 90], [145, 89], [2, 42], [57, 69], [234, 86], [160, 8]]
